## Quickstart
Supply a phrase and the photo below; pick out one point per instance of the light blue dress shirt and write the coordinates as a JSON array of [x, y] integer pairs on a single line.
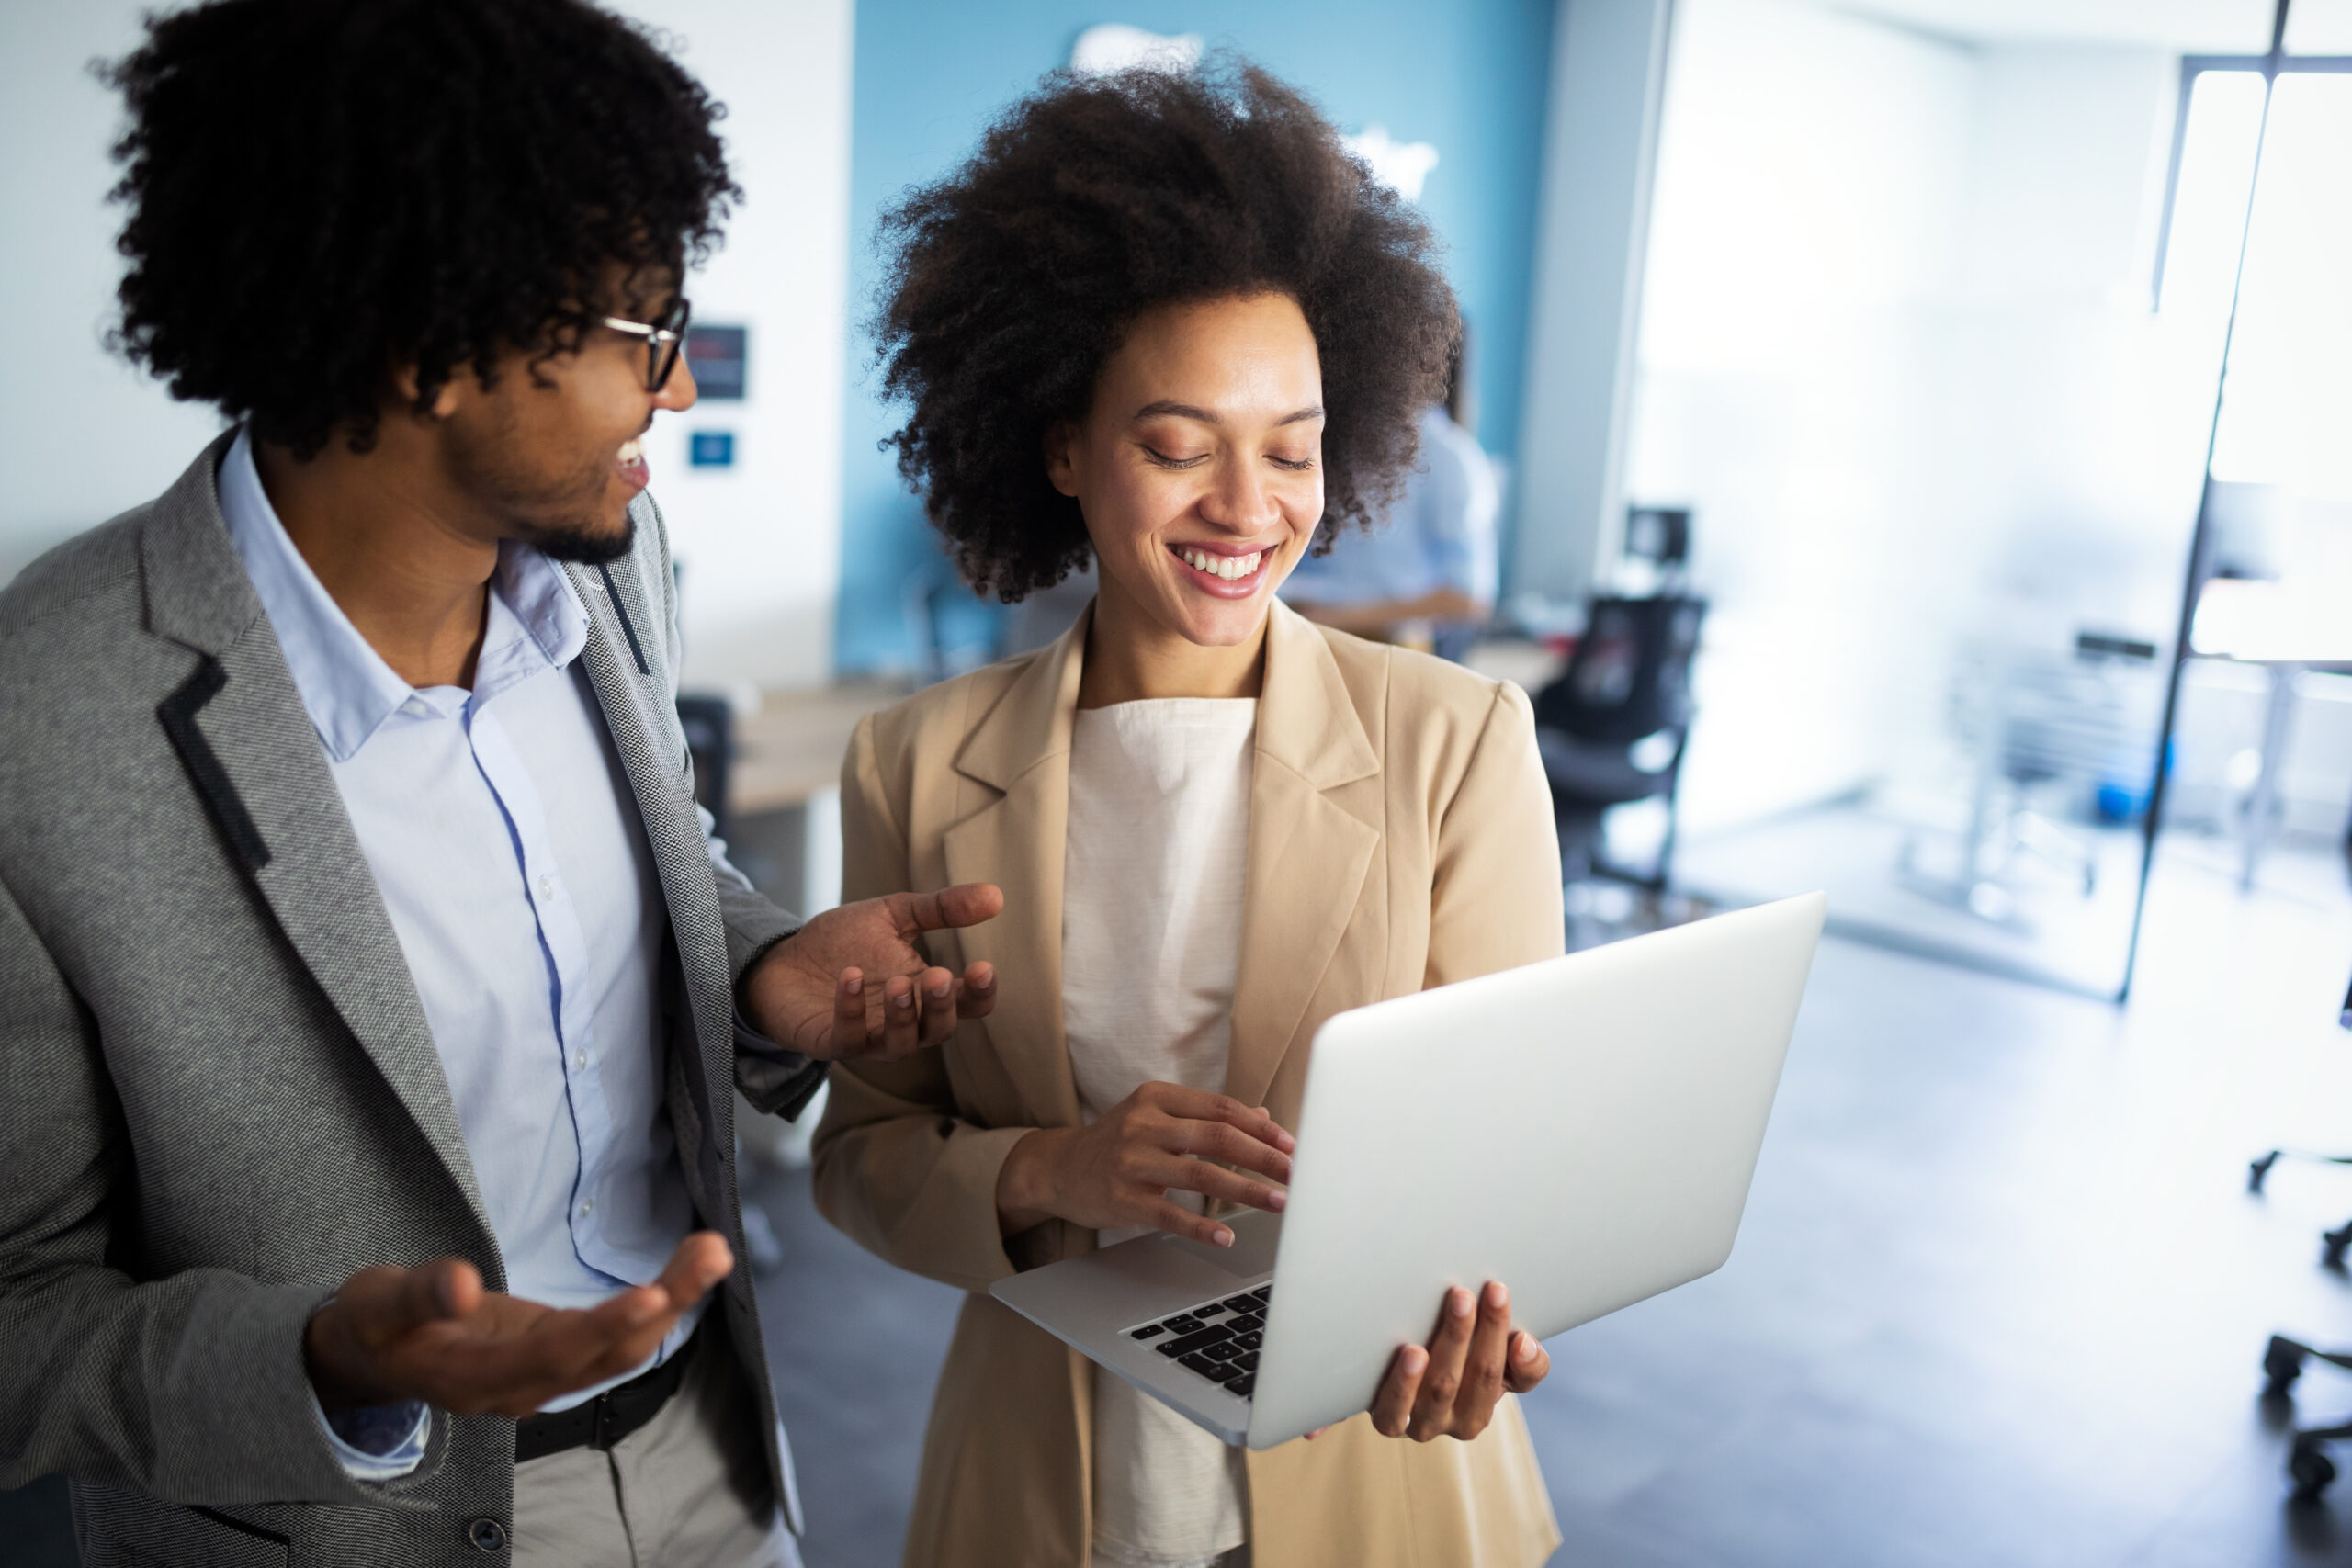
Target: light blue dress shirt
[[505, 842], [1441, 535]]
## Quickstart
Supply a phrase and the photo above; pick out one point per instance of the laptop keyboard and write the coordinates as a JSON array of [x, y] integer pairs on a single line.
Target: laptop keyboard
[[1218, 1339]]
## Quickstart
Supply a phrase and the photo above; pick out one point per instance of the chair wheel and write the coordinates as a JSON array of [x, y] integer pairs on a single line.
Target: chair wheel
[[2257, 1171], [2336, 1242], [2311, 1470], [2282, 1363]]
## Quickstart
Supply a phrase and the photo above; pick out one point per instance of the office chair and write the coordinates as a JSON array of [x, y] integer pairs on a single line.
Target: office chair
[[1613, 727], [2333, 1244], [2308, 1465]]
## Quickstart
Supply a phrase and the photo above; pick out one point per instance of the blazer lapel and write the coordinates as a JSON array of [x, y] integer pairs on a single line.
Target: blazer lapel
[[240, 726], [652, 753], [1308, 854], [1019, 755]]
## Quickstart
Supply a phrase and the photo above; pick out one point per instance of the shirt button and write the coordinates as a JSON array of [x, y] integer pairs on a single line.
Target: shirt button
[[487, 1535], [579, 1061], [586, 1210], [547, 887]]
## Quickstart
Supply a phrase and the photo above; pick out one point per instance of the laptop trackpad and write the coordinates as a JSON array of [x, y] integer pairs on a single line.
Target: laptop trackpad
[[1255, 1232]]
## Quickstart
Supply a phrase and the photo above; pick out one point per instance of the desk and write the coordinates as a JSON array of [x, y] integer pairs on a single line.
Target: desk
[[783, 825], [791, 750], [2285, 628]]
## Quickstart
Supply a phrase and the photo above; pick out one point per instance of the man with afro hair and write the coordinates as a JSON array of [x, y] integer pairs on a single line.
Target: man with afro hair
[[372, 992]]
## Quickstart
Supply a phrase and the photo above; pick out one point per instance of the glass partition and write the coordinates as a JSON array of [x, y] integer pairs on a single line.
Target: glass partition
[[2262, 726], [1905, 358]]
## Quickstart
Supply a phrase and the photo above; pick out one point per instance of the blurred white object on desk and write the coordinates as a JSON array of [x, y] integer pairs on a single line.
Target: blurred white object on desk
[[2271, 623]]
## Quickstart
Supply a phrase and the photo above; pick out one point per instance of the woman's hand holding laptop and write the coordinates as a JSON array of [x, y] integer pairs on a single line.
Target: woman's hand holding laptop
[[1163, 1138], [1449, 1389]]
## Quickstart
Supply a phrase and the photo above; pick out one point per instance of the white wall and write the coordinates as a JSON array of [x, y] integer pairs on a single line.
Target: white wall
[[1897, 350], [92, 435], [760, 542], [2083, 416], [1813, 172], [2193, 26]]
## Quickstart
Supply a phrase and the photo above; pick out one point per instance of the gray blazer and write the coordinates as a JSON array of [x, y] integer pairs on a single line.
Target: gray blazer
[[219, 1096]]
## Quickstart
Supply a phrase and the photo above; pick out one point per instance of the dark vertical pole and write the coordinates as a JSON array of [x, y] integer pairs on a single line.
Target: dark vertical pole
[[2199, 538]]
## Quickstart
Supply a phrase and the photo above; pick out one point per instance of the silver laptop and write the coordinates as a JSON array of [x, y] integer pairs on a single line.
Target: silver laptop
[[1582, 1129]]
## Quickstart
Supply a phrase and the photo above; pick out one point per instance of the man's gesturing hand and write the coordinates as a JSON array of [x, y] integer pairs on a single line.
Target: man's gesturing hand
[[433, 1334], [1118, 1171], [852, 985]]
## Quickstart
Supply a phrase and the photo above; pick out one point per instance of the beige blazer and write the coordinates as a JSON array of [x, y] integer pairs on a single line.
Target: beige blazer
[[1400, 837]]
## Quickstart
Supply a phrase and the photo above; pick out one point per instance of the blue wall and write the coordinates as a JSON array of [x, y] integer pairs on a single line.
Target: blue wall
[[1468, 76]]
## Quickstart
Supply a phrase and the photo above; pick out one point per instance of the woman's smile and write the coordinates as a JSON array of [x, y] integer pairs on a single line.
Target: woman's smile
[[1227, 571]]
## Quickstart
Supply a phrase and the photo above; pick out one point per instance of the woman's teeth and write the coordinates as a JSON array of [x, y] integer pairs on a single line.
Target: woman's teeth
[[1230, 568], [633, 451]]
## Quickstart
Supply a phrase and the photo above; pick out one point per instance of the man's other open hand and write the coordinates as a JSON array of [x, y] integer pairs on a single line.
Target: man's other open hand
[[433, 1334]]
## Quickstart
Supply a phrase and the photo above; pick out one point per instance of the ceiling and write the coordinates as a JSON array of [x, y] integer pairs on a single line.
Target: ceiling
[[2189, 27]]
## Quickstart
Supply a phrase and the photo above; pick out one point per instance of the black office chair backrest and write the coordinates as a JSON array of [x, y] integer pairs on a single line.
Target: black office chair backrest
[[1630, 675]]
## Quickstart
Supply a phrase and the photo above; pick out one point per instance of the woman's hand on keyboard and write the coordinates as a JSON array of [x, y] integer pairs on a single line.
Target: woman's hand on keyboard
[[1121, 1170]]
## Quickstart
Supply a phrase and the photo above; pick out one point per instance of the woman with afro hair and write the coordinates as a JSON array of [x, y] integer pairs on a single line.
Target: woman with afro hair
[[1165, 323]]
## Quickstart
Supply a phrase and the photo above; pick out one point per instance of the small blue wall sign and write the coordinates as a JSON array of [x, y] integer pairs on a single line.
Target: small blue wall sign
[[711, 449]]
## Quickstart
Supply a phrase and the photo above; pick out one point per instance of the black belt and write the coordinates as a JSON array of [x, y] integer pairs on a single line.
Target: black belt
[[602, 1422]]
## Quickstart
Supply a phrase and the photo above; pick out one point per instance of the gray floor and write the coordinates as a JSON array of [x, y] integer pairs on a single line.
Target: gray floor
[[1888, 876], [2000, 1292], [1999, 1298]]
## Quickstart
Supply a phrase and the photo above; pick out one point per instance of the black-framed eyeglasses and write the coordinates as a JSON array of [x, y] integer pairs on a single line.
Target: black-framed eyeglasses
[[663, 341]]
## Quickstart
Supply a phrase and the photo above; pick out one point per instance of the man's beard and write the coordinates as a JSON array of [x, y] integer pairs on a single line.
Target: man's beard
[[561, 519], [563, 524], [582, 542]]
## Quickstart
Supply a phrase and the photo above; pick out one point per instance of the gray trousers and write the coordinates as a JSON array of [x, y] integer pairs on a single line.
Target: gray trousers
[[687, 1489]]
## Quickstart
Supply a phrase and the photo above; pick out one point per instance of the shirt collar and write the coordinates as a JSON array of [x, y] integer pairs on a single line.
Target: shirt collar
[[535, 620], [544, 623]]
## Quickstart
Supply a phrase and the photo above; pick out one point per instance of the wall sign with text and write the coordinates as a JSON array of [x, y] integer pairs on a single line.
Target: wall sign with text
[[719, 356]]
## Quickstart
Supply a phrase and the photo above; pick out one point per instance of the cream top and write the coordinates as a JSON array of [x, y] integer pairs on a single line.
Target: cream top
[[1152, 877]]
